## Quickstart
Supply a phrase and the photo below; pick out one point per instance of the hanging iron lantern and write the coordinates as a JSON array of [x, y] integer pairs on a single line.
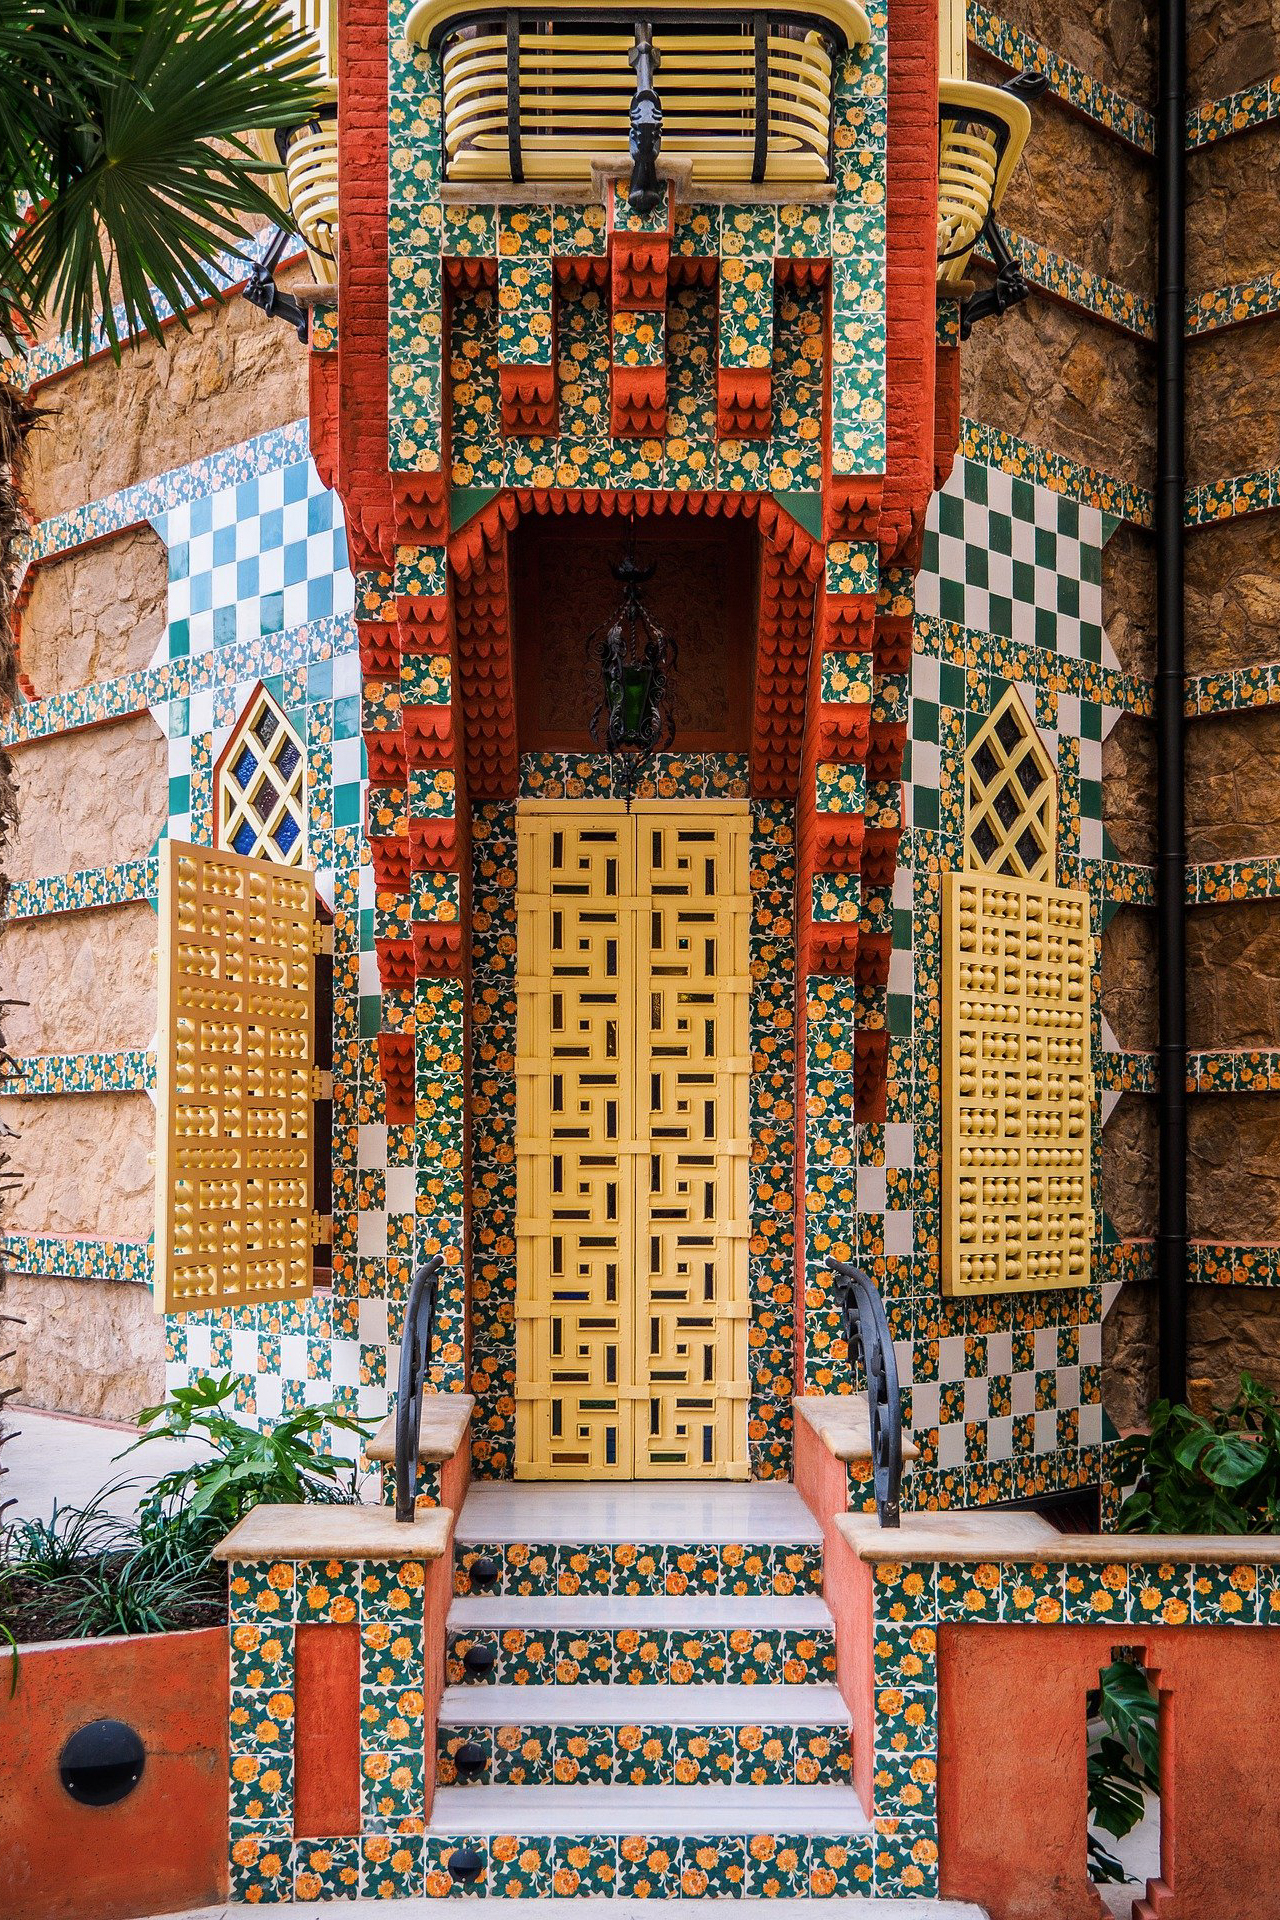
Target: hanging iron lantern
[[634, 717]]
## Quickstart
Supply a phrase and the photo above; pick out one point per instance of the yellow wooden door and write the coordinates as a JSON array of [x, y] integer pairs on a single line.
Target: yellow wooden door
[[632, 1154]]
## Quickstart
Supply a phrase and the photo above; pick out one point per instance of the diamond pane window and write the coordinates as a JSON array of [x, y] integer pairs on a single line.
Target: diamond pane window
[[261, 786], [1011, 798]]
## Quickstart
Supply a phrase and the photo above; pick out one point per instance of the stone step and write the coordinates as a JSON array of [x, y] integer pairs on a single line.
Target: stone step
[[591, 1640], [663, 1512], [621, 1907], [693, 1811], [664, 1737]]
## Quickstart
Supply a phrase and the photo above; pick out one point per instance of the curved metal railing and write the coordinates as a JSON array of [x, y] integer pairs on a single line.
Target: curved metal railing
[[415, 1365], [870, 1342]]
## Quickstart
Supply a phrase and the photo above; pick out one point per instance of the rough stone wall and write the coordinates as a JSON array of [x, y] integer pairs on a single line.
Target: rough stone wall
[[230, 377], [91, 798], [86, 1164], [88, 980], [90, 1347], [87, 799], [1232, 602], [95, 614]]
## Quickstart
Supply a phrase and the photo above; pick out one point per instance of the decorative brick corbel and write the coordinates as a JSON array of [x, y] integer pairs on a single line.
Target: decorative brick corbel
[[870, 1075], [379, 644], [885, 748], [387, 764], [421, 508], [428, 736], [529, 400], [433, 844], [395, 963], [744, 403], [390, 859], [395, 1063], [437, 949]]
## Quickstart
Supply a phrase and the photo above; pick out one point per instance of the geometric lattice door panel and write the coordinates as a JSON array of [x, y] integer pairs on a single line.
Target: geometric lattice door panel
[[234, 1124], [632, 1156], [693, 1078], [1016, 1085]]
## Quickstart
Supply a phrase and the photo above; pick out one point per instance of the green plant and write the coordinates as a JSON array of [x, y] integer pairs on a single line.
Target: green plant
[[283, 1465], [1210, 1473], [1123, 1762], [123, 153]]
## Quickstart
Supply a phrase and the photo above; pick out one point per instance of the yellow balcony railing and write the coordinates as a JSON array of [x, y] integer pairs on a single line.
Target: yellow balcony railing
[[981, 134], [543, 97], [308, 185]]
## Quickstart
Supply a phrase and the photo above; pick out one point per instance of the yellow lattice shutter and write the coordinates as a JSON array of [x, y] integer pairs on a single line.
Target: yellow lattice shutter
[[1016, 1085], [234, 1124]]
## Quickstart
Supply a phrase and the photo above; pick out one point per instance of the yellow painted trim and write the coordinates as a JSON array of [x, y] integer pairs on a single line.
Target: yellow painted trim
[[846, 16], [971, 180]]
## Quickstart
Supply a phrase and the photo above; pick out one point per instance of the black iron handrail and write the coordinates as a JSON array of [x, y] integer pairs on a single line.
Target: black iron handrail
[[415, 1364], [870, 1342]]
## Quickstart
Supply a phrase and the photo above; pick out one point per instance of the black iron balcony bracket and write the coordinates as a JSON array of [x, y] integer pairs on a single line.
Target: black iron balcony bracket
[[415, 1367], [870, 1343], [1009, 289], [260, 288]]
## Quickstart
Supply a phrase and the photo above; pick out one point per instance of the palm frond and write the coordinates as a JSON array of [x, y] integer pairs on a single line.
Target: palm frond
[[130, 145]]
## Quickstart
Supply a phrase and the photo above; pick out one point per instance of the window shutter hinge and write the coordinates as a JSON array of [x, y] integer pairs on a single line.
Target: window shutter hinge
[[321, 937], [321, 1229], [321, 1084]]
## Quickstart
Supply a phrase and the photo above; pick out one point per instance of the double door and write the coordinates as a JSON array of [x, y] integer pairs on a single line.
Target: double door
[[632, 1155]]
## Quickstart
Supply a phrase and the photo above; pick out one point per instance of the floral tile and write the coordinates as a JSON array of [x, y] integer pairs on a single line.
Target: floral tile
[[393, 1790], [391, 1866], [261, 1788], [643, 1756], [391, 1653], [765, 1756], [840, 1867], [583, 1756], [326, 1869], [648, 1868], [583, 1659], [703, 1756], [437, 1878], [261, 1870], [261, 1656], [777, 1867], [522, 1755], [1225, 1596], [712, 1868], [585, 1868], [520, 1867], [648, 1659]]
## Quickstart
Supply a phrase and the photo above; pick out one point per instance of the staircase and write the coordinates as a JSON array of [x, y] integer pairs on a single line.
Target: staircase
[[641, 1702]]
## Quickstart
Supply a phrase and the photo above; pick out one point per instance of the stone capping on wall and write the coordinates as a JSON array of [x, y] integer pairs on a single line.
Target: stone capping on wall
[[360, 1532], [842, 1423], [441, 1429], [985, 1536]]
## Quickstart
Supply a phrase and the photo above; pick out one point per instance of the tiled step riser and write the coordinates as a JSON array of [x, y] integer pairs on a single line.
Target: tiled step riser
[[631, 1657], [610, 1866], [647, 1755], [528, 1568]]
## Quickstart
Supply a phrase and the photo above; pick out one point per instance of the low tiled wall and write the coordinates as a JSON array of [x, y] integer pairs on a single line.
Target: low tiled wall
[[973, 1648]]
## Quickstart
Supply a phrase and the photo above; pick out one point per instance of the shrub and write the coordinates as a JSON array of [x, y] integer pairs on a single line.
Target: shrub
[[1210, 1473]]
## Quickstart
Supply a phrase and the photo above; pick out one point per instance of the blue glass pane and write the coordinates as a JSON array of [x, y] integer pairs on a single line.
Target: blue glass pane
[[286, 833], [242, 771], [244, 838], [287, 758]]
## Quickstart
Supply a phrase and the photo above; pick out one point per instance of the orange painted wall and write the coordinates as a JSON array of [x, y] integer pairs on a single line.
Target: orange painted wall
[[165, 1846], [1011, 1769]]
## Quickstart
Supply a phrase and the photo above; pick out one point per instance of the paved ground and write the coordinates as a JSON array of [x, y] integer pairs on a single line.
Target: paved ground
[[54, 1457]]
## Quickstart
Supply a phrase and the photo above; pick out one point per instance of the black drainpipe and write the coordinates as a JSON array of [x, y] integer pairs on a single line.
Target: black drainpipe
[[1171, 854]]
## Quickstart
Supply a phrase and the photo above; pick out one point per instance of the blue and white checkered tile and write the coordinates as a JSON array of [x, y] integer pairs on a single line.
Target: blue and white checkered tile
[[262, 556]]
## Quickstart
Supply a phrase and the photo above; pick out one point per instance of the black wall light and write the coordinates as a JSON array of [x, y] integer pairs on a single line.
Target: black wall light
[[102, 1763], [633, 718]]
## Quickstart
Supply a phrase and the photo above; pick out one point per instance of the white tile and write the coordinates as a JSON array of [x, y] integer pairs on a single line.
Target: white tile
[[1000, 1438], [1022, 1399], [951, 1446], [371, 1236], [678, 1511], [400, 1188], [999, 1353], [372, 1322]]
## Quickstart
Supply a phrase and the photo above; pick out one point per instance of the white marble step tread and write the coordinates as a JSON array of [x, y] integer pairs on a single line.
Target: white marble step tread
[[720, 1705], [660, 1613], [846, 1908], [649, 1512], [667, 1811]]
